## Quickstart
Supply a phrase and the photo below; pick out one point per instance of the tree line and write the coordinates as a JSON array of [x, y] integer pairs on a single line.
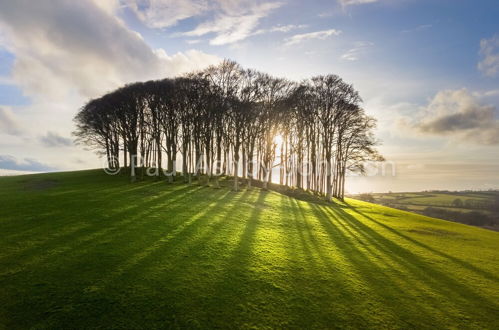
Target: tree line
[[227, 120]]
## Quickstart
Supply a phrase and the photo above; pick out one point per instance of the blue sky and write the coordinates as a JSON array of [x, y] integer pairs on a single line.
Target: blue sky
[[428, 70]]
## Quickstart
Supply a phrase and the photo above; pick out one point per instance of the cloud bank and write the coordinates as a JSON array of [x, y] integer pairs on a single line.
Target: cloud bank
[[66, 52], [460, 115], [81, 47]]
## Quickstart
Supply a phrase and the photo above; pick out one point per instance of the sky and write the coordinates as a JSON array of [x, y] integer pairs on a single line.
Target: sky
[[428, 70]]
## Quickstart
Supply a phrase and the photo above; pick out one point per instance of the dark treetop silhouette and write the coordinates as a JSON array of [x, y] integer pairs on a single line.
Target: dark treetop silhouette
[[225, 116]]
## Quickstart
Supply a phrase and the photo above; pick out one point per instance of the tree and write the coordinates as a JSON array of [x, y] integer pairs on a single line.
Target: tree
[[227, 114], [457, 202]]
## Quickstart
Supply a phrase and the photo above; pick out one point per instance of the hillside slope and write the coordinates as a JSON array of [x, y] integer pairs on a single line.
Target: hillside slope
[[83, 249]]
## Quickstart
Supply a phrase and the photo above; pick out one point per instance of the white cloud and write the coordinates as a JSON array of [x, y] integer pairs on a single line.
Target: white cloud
[[8, 123], [164, 13], [193, 41], [489, 51], [109, 6], [487, 93], [65, 47], [66, 52], [353, 54], [282, 28], [229, 20], [234, 23], [355, 2], [298, 38], [459, 115], [190, 60]]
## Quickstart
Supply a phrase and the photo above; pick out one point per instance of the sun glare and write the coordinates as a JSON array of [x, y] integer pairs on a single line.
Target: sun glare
[[278, 139]]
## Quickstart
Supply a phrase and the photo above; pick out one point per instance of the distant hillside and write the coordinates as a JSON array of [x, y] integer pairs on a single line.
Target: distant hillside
[[475, 208], [88, 250]]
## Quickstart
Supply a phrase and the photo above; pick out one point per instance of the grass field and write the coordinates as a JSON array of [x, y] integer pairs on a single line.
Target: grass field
[[479, 208], [87, 250], [440, 199]]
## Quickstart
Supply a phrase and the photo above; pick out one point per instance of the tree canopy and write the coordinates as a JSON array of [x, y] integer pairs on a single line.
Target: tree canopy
[[227, 120]]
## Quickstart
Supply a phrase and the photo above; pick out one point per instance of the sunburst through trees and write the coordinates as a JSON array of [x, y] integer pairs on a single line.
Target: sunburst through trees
[[227, 120]]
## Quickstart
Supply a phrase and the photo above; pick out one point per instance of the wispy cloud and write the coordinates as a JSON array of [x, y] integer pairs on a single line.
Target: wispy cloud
[[165, 13], [355, 2], [234, 24], [357, 51], [298, 38], [489, 51], [281, 28], [487, 93]]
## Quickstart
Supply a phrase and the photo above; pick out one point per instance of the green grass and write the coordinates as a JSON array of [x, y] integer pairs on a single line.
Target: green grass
[[439, 199], [87, 250], [479, 205]]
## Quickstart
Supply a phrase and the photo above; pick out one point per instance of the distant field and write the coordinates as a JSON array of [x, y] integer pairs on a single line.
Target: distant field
[[87, 250], [474, 208]]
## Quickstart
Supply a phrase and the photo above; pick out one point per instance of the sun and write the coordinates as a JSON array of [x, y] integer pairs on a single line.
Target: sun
[[278, 139]]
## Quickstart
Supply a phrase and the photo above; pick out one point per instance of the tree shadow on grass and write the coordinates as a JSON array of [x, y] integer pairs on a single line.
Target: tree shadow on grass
[[448, 288], [66, 240], [176, 263], [227, 296], [163, 241], [136, 239], [458, 261], [383, 294], [201, 226], [159, 257], [52, 216], [320, 292]]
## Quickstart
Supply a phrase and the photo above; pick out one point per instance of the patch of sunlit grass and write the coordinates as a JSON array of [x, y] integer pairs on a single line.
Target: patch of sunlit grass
[[96, 251]]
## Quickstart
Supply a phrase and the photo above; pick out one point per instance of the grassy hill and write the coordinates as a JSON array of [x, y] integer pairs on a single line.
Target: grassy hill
[[84, 249]]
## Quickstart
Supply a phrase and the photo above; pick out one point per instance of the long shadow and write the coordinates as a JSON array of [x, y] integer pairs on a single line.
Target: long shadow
[[64, 242], [438, 280], [165, 242], [188, 231], [103, 203], [94, 268], [299, 224], [229, 291], [176, 262], [92, 206], [311, 198], [460, 262], [383, 289], [191, 240], [328, 287], [466, 300], [216, 227]]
